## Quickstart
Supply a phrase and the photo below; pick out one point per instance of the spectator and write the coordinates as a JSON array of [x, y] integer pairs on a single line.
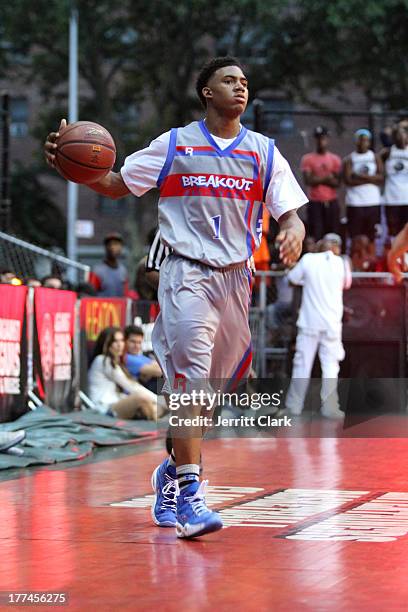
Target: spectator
[[8, 277], [52, 282], [141, 367], [111, 387], [110, 278], [155, 257], [395, 197], [323, 276], [143, 282], [86, 290], [321, 173], [363, 176], [33, 282], [361, 255]]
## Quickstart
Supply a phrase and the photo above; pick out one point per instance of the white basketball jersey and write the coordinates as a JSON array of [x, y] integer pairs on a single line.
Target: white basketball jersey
[[396, 177], [363, 195]]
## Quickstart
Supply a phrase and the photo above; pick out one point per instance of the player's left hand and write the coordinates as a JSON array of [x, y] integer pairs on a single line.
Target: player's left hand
[[290, 245]]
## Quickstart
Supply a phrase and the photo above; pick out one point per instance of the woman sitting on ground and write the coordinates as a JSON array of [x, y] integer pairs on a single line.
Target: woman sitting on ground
[[112, 389]]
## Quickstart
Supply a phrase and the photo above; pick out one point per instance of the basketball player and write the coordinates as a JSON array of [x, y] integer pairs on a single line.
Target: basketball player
[[213, 176], [363, 177], [395, 195]]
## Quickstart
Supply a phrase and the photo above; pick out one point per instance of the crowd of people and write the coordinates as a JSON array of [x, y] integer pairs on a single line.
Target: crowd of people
[[374, 183]]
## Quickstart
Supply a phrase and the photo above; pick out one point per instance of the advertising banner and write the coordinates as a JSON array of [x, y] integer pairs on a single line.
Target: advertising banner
[[13, 352], [53, 347]]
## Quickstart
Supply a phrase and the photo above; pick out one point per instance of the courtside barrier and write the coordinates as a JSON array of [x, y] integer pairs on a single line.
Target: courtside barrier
[[13, 352]]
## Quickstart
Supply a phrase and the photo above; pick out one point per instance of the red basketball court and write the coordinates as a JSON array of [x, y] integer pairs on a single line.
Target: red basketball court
[[310, 524]]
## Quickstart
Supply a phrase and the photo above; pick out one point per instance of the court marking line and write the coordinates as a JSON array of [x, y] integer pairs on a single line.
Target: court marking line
[[319, 518]]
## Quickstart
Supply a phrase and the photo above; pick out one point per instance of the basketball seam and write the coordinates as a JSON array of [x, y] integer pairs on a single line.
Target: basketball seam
[[77, 124], [74, 161], [97, 142]]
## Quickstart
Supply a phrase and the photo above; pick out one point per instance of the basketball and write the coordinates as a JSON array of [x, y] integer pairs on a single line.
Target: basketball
[[85, 152]]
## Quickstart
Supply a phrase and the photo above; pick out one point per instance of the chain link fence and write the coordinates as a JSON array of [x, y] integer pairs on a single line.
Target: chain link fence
[[28, 261]]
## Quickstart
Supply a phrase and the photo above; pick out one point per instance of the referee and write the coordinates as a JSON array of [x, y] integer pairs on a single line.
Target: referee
[[155, 257]]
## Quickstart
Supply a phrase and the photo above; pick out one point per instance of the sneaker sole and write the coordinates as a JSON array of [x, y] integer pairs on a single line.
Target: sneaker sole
[[13, 443], [180, 530], [155, 521]]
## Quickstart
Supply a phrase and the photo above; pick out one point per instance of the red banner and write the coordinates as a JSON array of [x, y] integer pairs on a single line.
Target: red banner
[[98, 313], [54, 317], [95, 315], [13, 361]]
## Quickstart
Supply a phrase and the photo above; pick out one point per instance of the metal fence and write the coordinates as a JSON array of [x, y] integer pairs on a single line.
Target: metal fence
[[27, 260], [273, 338]]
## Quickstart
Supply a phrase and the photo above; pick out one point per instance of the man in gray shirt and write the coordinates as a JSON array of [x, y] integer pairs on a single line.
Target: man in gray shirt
[[110, 278]]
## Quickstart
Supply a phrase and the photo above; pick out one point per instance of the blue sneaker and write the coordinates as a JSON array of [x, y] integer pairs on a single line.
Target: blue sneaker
[[193, 517], [165, 486]]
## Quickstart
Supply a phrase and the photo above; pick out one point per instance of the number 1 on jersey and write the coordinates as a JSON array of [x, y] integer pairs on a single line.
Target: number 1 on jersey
[[216, 226]]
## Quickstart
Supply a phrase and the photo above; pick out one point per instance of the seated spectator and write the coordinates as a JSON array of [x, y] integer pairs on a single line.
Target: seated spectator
[[360, 253], [52, 282], [33, 282], [145, 369], [9, 277], [110, 278], [111, 387]]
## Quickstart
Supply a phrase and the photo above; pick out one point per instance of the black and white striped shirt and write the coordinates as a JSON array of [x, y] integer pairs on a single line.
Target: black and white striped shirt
[[157, 253]]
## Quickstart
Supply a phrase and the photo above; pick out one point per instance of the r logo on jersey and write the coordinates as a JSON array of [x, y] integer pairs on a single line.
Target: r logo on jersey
[[189, 151]]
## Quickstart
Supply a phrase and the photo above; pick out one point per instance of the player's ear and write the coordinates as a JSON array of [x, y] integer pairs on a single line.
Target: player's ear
[[207, 93]]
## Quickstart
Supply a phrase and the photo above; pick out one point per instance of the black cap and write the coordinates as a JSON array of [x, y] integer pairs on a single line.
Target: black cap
[[321, 130], [113, 236]]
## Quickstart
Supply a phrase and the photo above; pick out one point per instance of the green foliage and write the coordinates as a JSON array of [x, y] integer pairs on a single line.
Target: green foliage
[[34, 216], [139, 58]]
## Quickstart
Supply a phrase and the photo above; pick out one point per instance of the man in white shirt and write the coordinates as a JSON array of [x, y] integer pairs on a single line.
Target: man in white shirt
[[214, 176], [323, 277]]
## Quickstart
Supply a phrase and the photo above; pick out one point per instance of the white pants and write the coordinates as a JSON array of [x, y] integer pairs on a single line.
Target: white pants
[[331, 352]]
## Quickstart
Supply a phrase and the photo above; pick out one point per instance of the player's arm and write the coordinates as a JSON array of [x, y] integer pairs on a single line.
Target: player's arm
[[139, 173], [111, 186], [290, 237], [398, 249]]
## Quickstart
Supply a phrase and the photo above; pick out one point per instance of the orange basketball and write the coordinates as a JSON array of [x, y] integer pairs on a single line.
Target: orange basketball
[[85, 152]]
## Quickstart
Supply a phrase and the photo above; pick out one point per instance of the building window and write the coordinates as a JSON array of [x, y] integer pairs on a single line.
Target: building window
[[19, 117]]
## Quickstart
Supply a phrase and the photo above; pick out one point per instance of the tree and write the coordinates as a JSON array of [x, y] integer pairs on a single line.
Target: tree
[[34, 216]]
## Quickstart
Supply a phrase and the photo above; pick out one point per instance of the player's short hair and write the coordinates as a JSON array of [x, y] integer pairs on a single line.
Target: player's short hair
[[208, 70]]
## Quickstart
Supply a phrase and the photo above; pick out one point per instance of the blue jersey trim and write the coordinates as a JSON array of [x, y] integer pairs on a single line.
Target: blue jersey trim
[[170, 156], [269, 166], [231, 147], [248, 232], [247, 352]]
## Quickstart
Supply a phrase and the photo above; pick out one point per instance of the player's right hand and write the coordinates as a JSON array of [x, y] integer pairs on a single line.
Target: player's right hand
[[50, 144]]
